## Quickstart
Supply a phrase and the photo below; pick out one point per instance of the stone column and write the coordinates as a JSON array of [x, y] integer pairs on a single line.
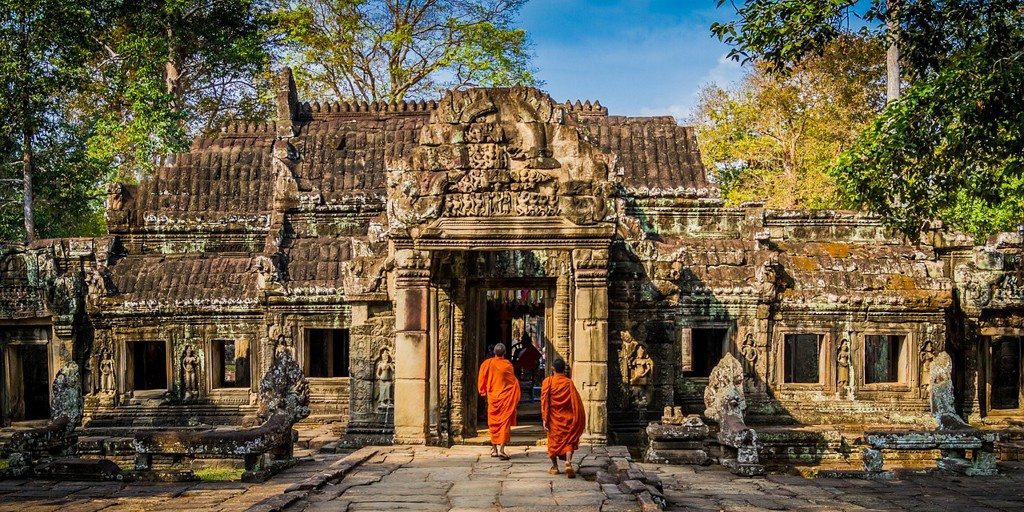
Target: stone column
[[412, 276], [590, 339]]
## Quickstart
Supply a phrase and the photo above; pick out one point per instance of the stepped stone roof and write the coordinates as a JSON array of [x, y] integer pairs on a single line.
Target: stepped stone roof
[[190, 279], [345, 148]]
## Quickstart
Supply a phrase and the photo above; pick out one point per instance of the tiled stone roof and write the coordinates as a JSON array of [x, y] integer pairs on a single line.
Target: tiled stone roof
[[651, 152], [316, 264], [343, 150], [187, 279]]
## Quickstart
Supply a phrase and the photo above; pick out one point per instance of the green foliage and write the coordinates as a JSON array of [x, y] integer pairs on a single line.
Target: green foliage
[[390, 50], [950, 148], [172, 69], [44, 45], [773, 137], [781, 33]]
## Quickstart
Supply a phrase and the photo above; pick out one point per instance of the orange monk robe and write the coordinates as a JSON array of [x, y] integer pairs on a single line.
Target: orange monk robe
[[561, 409], [497, 381]]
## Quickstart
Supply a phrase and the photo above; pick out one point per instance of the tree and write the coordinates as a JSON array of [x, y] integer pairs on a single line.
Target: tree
[[172, 69], [950, 147], [43, 45], [390, 50], [782, 33], [773, 137]]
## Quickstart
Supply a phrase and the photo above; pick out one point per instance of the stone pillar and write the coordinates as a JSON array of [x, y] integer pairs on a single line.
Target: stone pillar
[[412, 276], [590, 339]]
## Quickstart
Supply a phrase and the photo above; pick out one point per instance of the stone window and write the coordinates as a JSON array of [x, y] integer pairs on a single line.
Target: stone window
[[707, 346], [232, 360], [149, 365], [883, 358], [802, 358], [1006, 366], [327, 353]]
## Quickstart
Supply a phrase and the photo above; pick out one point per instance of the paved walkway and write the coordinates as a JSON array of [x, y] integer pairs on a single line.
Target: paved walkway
[[715, 489], [461, 479], [46, 496], [465, 478]]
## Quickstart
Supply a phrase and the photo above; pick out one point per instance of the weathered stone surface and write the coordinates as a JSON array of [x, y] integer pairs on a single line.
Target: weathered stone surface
[[387, 224]]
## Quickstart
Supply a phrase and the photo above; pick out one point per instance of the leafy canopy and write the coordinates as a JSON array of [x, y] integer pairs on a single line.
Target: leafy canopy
[[772, 138], [950, 148], [390, 50]]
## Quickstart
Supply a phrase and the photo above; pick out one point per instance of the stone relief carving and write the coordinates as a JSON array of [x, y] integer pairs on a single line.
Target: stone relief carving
[[190, 373], [927, 356], [489, 153], [637, 368], [283, 345], [750, 354], [942, 396], [106, 366], [385, 376], [843, 367]]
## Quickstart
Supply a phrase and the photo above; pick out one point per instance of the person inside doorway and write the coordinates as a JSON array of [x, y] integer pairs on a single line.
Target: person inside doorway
[[561, 410], [498, 383]]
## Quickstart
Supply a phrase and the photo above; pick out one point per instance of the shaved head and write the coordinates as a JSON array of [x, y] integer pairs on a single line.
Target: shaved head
[[499, 349], [559, 365]]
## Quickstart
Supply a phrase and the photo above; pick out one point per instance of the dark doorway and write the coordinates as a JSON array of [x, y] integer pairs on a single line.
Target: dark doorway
[[515, 317], [36, 384], [149, 360], [708, 347], [1006, 364], [327, 353]]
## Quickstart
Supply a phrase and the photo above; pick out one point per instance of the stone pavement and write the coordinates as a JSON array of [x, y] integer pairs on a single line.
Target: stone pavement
[[713, 488], [46, 496], [465, 478], [462, 479]]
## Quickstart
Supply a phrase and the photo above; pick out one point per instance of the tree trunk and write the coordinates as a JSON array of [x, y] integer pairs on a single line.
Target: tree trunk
[[892, 55], [27, 172]]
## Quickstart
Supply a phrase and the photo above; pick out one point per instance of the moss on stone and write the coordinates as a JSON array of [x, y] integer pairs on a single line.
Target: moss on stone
[[219, 474]]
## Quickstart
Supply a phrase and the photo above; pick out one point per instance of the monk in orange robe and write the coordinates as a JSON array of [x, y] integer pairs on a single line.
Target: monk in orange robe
[[561, 410], [497, 381]]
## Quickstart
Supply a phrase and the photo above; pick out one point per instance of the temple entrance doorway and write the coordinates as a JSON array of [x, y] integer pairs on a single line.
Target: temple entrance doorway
[[518, 315], [28, 382]]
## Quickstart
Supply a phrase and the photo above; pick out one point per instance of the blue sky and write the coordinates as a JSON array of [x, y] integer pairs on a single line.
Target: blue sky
[[638, 57]]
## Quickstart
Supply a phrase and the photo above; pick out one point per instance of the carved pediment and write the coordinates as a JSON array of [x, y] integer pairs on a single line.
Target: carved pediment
[[511, 153]]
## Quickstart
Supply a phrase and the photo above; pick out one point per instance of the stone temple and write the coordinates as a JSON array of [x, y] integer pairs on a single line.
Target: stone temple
[[388, 247]]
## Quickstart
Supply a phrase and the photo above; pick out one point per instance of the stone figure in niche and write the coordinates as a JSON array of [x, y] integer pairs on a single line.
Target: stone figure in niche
[[843, 363], [927, 356], [749, 351], [190, 373], [283, 345], [106, 368], [637, 369], [385, 373]]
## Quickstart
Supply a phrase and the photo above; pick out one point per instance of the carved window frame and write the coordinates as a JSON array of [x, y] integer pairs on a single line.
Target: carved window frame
[[985, 369], [826, 359], [685, 334], [127, 360], [302, 351], [909, 365], [213, 364]]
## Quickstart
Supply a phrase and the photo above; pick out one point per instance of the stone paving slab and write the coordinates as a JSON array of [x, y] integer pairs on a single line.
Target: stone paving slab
[[462, 479], [716, 489], [466, 479]]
